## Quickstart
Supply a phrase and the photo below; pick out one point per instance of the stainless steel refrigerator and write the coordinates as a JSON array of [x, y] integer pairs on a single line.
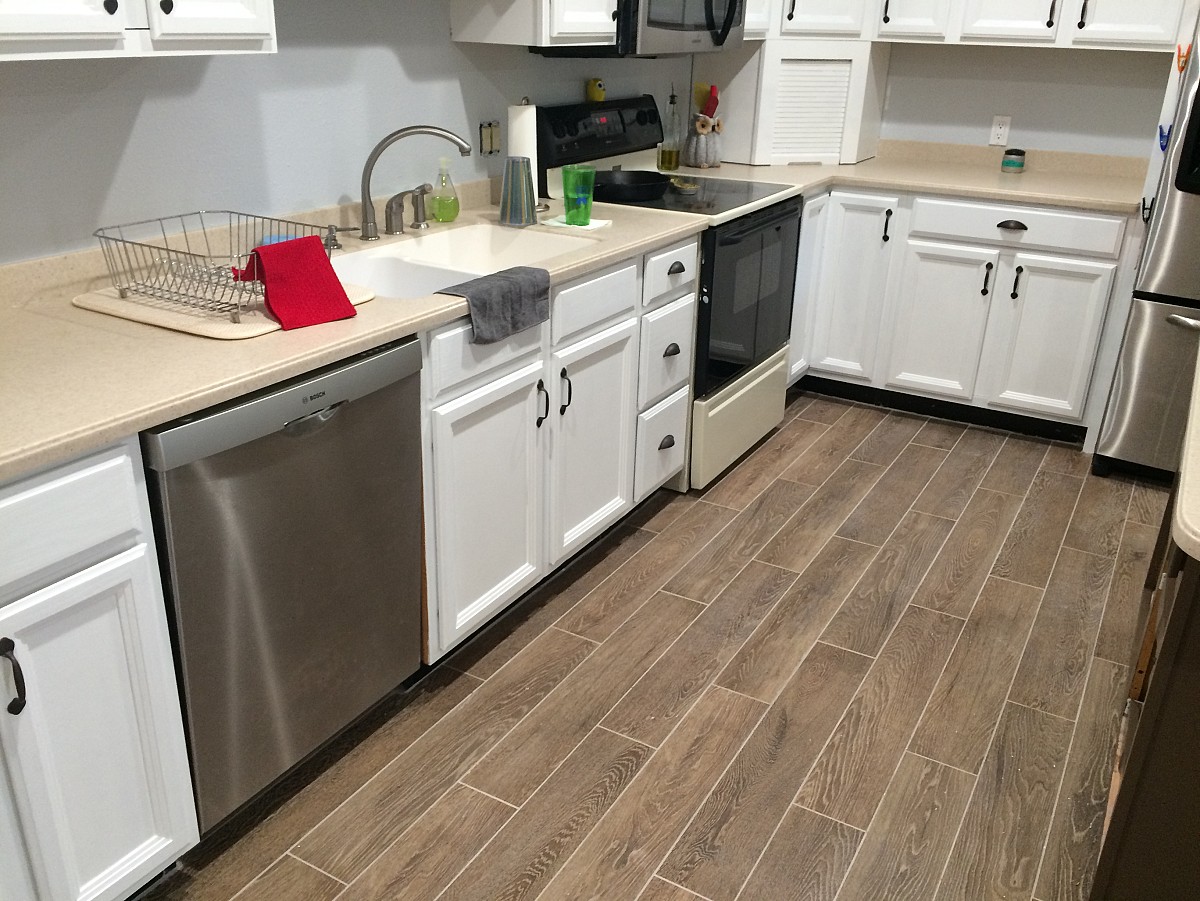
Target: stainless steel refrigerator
[[1148, 404]]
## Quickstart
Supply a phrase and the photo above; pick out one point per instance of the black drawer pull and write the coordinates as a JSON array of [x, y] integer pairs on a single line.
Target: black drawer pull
[[1017, 282], [570, 391], [887, 221], [676, 268], [1083, 15], [111, 7], [987, 277], [541, 389], [8, 649], [1050, 20], [886, 17], [1013, 225], [667, 442], [672, 350], [167, 6], [792, 11]]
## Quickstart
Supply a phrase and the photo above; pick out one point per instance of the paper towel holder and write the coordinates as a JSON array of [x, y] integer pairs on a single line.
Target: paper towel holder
[[542, 206]]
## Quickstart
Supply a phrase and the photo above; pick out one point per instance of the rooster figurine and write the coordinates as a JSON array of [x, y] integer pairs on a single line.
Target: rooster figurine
[[702, 149]]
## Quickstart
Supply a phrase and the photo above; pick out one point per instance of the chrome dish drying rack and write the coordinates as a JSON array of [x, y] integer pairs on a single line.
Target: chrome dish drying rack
[[188, 262]]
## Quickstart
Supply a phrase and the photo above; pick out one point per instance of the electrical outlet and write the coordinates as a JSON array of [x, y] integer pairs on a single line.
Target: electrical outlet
[[1000, 126]]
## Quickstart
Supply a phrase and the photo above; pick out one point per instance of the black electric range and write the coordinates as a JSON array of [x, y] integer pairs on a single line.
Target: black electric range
[[709, 196]]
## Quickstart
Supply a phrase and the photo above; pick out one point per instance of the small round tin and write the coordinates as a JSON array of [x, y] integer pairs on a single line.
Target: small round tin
[[1013, 161]]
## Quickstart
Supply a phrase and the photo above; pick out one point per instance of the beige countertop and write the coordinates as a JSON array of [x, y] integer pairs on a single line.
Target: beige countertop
[[73, 380]]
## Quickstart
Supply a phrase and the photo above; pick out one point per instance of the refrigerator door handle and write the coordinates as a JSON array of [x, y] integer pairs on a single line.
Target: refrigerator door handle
[[1184, 322]]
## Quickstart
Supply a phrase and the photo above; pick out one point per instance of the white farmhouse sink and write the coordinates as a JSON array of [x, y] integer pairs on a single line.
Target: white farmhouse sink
[[389, 276], [487, 248]]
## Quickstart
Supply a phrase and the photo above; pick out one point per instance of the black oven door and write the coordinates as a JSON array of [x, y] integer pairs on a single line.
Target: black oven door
[[747, 282]]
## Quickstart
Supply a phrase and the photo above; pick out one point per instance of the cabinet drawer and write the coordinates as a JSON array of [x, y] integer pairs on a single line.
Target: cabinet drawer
[[668, 342], [1044, 229], [69, 518], [588, 303], [454, 360], [670, 271], [660, 444]]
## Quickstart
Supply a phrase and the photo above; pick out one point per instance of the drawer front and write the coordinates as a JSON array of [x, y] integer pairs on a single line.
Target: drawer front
[[668, 343], [578, 307], [661, 444], [955, 220], [454, 361], [670, 271], [69, 518]]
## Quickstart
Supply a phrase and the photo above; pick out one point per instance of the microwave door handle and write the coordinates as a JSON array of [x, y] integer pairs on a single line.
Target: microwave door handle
[[731, 11], [627, 19]]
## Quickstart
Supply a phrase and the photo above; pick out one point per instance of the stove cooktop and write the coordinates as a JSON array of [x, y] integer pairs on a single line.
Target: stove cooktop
[[712, 196]]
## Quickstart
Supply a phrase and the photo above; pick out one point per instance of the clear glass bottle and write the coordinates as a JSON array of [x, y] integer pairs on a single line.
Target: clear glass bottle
[[443, 202], [672, 143]]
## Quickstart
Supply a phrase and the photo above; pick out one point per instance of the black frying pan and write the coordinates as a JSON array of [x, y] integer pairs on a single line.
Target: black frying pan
[[629, 186]]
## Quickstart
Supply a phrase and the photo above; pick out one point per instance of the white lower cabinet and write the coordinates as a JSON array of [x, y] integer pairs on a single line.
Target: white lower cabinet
[[95, 789], [593, 414], [813, 221]]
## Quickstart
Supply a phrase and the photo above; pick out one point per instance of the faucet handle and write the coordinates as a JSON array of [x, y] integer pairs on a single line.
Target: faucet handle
[[331, 240], [418, 195]]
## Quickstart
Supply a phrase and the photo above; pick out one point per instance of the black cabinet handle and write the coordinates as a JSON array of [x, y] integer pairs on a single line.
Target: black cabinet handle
[[667, 442], [1017, 282], [987, 277], [8, 649], [1083, 14], [887, 221], [1013, 225], [541, 387], [1050, 20], [111, 7], [570, 391], [615, 14], [676, 268], [672, 350], [167, 6], [792, 11], [886, 17]]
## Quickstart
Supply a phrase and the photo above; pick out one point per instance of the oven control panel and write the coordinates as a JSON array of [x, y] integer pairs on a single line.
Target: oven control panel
[[581, 132]]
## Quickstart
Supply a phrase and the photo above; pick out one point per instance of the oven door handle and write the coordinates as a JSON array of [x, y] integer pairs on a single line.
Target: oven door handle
[[759, 225]]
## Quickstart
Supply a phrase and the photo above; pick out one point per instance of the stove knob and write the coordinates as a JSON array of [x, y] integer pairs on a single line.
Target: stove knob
[[641, 117], [559, 131], [652, 116], [572, 129]]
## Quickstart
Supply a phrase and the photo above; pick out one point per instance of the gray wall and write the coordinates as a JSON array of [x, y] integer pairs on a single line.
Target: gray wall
[[1085, 101], [85, 143]]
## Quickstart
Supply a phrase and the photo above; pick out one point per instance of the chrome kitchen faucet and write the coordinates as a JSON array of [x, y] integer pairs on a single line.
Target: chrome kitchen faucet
[[370, 229]]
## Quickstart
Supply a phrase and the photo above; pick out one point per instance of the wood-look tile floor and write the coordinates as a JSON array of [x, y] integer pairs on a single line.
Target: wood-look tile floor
[[882, 658]]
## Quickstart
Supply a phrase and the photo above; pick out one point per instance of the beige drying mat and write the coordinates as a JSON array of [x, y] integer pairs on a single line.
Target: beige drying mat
[[166, 314]]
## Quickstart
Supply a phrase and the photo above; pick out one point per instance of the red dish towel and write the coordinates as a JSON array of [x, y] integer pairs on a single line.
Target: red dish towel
[[300, 286]]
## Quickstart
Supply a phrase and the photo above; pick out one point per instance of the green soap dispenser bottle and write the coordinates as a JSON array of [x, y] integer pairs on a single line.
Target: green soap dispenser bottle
[[444, 199]]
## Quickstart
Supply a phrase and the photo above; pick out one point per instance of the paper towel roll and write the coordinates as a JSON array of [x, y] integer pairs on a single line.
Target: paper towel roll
[[522, 135]]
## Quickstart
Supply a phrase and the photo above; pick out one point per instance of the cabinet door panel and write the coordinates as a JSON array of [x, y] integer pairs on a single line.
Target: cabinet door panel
[[813, 222], [1106, 22], [854, 281], [487, 498], [824, 16], [1028, 20], [219, 18], [940, 316], [913, 18], [1042, 343], [60, 20], [594, 416], [97, 757], [582, 19]]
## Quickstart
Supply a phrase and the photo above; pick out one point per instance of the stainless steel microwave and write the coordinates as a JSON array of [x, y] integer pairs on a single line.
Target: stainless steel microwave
[[653, 27]]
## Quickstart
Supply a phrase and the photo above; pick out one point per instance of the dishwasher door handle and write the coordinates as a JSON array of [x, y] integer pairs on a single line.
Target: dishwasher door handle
[[1183, 322], [306, 425]]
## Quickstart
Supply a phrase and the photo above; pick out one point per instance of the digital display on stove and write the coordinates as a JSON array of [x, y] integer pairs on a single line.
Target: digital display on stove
[[604, 123]]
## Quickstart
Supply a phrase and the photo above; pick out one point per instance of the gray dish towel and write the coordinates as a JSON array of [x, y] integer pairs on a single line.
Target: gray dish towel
[[505, 302]]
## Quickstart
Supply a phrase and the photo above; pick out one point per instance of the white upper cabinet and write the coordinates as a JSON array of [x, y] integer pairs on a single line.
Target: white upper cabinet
[[758, 19], [533, 23], [1027, 20], [913, 18], [844, 18], [62, 19], [1145, 23], [210, 18], [583, 19]]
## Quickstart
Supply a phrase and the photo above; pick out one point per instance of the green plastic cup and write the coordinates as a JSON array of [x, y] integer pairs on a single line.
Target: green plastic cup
[[578, 183]]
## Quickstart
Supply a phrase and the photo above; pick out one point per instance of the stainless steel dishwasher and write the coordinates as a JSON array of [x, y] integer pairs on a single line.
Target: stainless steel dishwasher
[[290, 528]]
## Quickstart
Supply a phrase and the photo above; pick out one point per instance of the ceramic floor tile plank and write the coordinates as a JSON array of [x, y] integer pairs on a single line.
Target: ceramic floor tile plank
[[969, 697], [1033, 541], [806, 860], [533, 846], [877, 601], [422, 861], [620, 855], [519, 763], [829, 451], [599, 614], [659, 510], [953, 485], [747, 480], [826, 410], [959, 571], [1067, 458], [725, 839], [892, 496], [1000, 841], [663, 695], [1054, 668], [852, 773], [1015, 465], [1118, 639], [1148, 503], [1099, 516], [904, 851], [503, 639], [890, 437], [707, 574], [1069, 865], [370, 820], [661, 890], [769, 657], [799, 541], [940, 434], [291, 878]]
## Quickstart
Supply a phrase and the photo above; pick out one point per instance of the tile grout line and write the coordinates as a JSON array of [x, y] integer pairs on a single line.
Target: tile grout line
[[942, 763], [341, 882], [449, 882], [682, 888], [473, 788]]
